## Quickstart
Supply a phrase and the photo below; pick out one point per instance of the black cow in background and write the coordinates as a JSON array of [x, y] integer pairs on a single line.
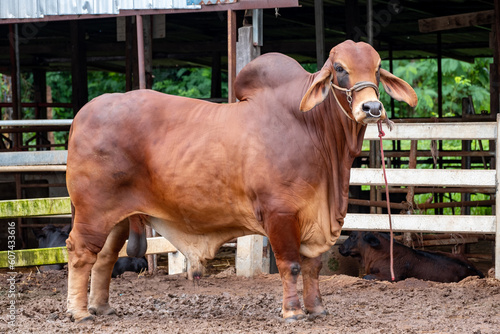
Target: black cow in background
[[372, 249], [51, 236]]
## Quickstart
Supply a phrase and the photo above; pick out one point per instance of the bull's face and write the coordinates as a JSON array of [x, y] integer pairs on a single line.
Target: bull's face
[[351, 76]]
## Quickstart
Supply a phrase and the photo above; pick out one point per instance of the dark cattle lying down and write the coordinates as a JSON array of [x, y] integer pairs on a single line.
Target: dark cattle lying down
[[373, 250], [51, 236], [201, 173], [124, 264]]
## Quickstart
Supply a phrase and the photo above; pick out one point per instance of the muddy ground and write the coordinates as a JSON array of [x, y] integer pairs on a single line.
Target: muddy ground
[[224, 303]]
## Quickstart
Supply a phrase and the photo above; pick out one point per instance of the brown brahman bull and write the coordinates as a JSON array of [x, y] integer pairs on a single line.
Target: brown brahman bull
[[202, 173]]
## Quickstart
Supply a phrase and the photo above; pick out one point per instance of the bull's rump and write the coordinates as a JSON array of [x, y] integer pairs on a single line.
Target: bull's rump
[[169, 157]]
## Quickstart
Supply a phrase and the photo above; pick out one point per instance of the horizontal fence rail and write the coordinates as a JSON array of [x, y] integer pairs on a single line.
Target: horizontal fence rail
[[359, 176]]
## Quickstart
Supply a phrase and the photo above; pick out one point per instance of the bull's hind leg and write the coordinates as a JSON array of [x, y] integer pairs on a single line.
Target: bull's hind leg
[[85, 241], [81, 257], [312, 296], [283, 232], [101, 272]]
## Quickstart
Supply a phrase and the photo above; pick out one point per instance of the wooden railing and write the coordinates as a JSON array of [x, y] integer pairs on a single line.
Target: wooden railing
[[39, 161]]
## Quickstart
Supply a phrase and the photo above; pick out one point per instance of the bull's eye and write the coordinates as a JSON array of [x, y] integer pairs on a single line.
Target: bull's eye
[[339, 69]]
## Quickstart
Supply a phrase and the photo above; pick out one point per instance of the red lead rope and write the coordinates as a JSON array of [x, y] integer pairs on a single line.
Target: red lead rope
[[391, 251]]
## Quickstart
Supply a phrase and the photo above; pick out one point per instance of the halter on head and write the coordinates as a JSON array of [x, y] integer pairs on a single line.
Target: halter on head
[[356, 88]]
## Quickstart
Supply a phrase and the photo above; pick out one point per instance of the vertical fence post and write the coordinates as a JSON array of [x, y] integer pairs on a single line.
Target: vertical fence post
[[497, 204]]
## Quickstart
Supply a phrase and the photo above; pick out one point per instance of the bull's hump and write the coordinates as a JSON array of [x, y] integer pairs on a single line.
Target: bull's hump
[[268, 71]]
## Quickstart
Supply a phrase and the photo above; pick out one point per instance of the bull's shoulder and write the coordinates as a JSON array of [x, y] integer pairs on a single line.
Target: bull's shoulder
[[270, 70]]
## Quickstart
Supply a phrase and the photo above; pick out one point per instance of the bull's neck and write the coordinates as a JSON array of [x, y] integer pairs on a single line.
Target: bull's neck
[[339, 141]]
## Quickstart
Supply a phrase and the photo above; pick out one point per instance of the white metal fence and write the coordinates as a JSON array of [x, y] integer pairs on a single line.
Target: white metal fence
[[251, 255]]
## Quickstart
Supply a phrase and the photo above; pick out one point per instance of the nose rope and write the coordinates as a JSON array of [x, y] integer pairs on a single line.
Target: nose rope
[[348, 91], [391, 247]]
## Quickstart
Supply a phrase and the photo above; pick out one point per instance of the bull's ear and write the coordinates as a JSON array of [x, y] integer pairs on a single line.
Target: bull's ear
[[397, 88], [318, 91], [371, 239]]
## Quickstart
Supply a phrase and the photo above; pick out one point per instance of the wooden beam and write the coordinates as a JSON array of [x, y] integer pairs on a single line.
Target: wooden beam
[[156, 245], [33, 257], [34, 158], [59, 255], [456, 21], [424, 177], [421, 223], [32, 169], [35, 207], [436, 131]]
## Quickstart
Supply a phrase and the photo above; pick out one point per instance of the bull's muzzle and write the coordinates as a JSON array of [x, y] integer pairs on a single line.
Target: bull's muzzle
[[372, 109]]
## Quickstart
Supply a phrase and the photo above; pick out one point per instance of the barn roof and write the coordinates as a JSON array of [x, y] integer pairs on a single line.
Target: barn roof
[[192, 36], [10, 9]]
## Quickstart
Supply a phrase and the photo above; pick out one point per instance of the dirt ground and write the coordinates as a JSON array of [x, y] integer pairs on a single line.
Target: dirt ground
[[225, 303]]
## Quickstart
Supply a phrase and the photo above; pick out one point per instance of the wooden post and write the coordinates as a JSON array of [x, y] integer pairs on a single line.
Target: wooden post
[[148, 51], [78, 66], [177, 263], [249, 254], [40, 96], [15, 75], [130, 54], [497, 205], [142, 60], [352, 20], [320, 33], [495, 67], [16, 110], [216, 89], [369, 24], [140, 52], [231, 55]]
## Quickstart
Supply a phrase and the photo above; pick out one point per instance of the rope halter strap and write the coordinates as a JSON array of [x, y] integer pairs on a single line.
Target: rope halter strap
[[348, 91]]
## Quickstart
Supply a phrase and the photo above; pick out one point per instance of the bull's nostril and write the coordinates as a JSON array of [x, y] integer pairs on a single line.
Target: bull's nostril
[[372, 108]]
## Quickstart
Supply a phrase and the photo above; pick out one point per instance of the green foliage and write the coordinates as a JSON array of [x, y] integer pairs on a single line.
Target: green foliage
[[193, 82], [105, 82], [460, 79], [454, 197]]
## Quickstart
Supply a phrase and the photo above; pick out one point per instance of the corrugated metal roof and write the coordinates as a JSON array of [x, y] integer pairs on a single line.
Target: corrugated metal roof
[[29, 9]]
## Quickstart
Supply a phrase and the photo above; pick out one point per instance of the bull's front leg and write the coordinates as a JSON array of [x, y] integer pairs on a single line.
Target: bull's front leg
[[312, 296], [284, 235]]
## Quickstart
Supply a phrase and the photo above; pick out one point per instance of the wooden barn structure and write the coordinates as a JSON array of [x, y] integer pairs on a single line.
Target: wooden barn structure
[[137, 38]]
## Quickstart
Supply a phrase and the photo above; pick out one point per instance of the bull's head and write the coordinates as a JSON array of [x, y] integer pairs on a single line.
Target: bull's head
[[353, 73]]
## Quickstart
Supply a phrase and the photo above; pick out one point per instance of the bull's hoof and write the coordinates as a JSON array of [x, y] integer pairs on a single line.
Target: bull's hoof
[[79, 319], [102, 310], [295, 317], [322, 314]]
